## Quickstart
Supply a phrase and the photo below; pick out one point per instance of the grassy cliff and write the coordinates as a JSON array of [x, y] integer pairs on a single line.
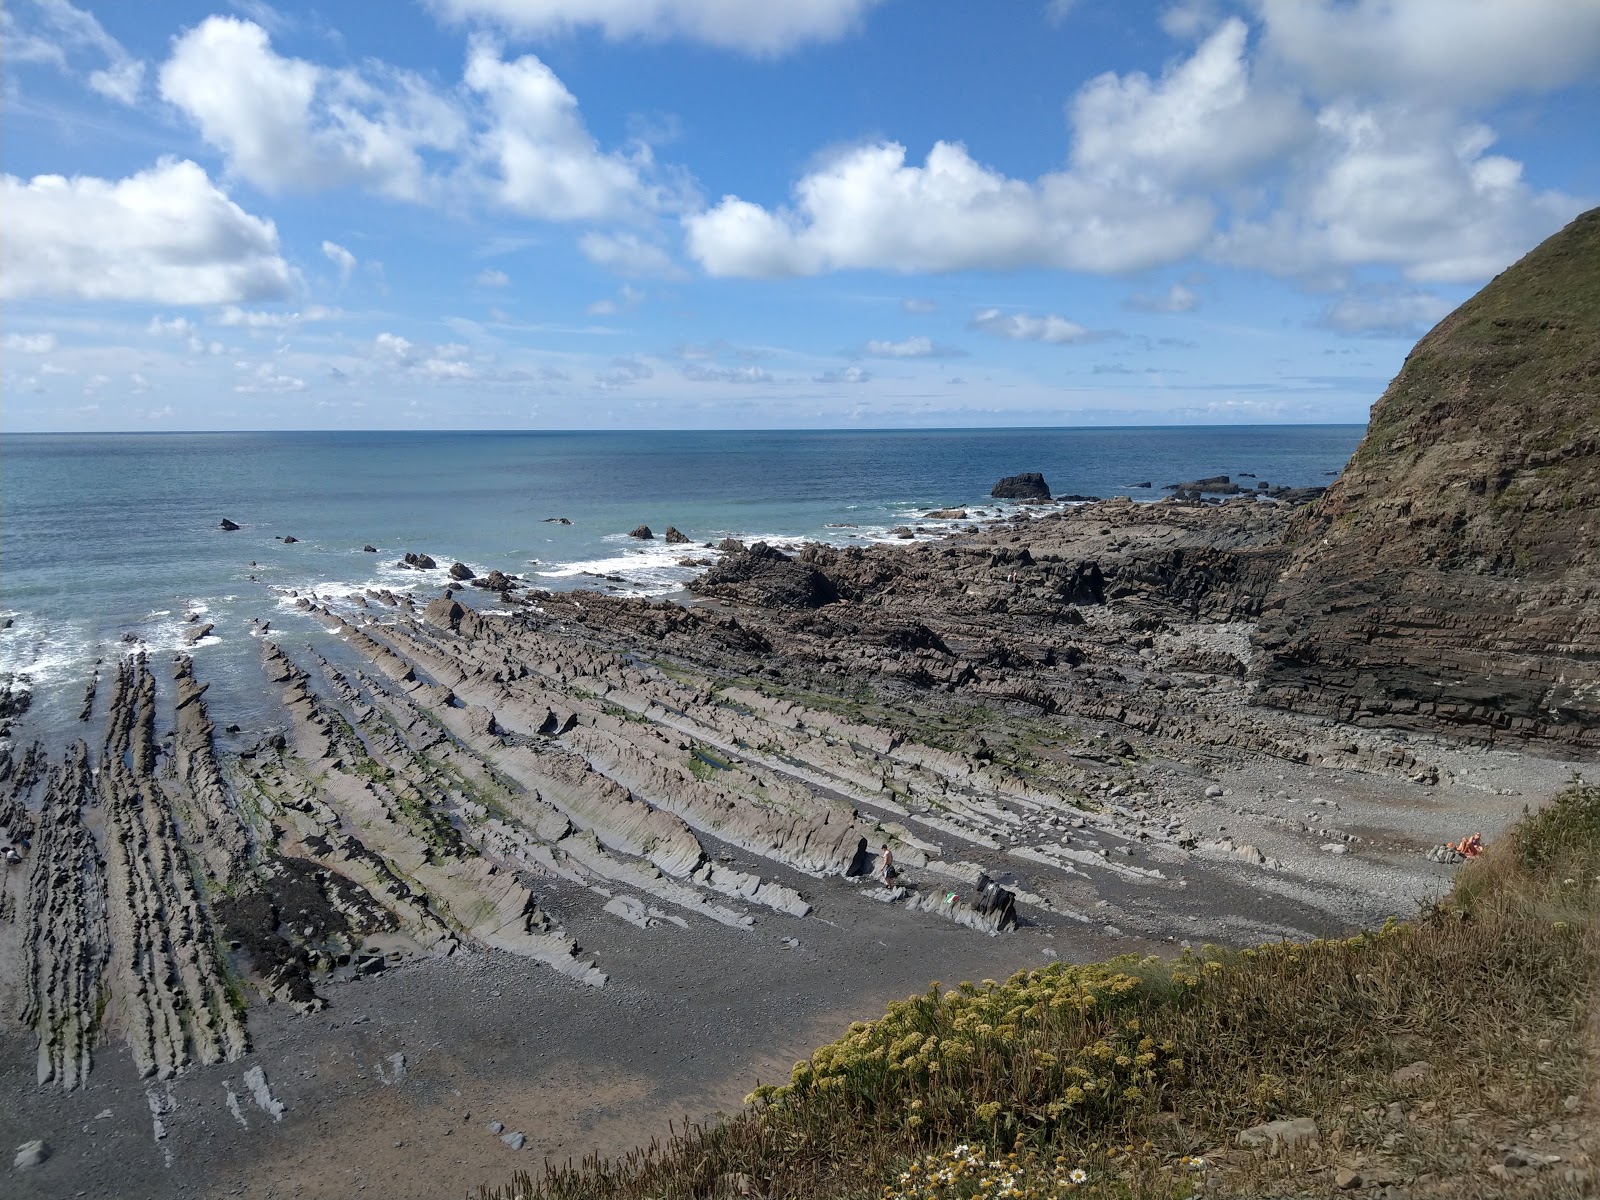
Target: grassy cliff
[[1446, 1055]]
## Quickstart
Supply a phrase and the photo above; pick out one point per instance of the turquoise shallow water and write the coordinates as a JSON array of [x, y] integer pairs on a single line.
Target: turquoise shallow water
[[103, 537]]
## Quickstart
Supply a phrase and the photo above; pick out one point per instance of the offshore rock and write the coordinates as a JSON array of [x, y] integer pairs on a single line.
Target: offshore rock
[[1030, 485], [674, 537], [1450, 579]]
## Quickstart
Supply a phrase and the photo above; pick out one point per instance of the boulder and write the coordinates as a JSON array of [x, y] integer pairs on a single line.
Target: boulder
[[227, 525], [369, 548], [1216, 485], [460, 571], [946, 514], [766, 576], [30, 1155], [642, 532], [1030, 485], [673, 537], [418, 562], [495, 581], [557, 521]]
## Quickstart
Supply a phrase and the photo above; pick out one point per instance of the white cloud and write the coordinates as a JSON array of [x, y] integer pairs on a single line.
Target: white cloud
[[166, 235], [29, 343], [1176, 299], [1204, 120], [1468, 51], [1126, 200], [753, 27], [917, 306], [1057, 11], [628, 297], [623, 372], [60, 33], [548, 164], [1021, 327], [844, 375], [911, 347], [628, 255], [444, 363], [1404, 314], [490, 277], [287, 124], [267, 378], [1400, 186], [700, 373], [239, 318], [341, 258], [512, 133], [866, 208]]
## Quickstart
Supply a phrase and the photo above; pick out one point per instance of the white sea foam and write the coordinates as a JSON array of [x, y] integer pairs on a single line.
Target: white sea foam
[[46, 655]]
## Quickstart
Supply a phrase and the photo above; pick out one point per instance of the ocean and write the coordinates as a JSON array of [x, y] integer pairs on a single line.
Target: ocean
[[109, 541]]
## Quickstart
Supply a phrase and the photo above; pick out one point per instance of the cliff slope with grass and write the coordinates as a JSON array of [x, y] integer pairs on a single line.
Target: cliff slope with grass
[[1450, 579]]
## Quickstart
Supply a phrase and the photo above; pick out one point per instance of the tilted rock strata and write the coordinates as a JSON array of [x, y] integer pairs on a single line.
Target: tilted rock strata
[[1450, 580]]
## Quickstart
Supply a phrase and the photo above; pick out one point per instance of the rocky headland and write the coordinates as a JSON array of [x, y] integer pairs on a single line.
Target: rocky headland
[[500, 843]]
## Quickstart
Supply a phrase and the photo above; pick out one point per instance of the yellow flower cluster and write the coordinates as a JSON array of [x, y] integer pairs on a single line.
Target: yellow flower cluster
[[1048, 1046], [965, 1173]]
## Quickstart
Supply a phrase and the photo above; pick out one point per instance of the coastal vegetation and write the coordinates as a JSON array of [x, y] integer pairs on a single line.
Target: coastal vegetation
[[1448, 1053]]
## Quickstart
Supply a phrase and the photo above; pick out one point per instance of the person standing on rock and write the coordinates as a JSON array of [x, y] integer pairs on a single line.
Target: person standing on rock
[[886, 865]]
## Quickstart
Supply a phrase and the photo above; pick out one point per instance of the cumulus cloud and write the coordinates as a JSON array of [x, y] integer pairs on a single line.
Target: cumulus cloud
[[548, 164], [1176, 299], [167, 235], [1464, 51], [1202, 121], [844, 375], [29, 343], [341, 258], [756, 28], [867, 208], [1363, 169], [287, 124], [1401, 186], [628, 255], [512, 133], [1399, 314], [491, 277], [1119, 204], [1023, 327], [61, 34]]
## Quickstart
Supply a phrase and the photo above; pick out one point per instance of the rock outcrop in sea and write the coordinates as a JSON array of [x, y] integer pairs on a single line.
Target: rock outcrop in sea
[[1450, 579]]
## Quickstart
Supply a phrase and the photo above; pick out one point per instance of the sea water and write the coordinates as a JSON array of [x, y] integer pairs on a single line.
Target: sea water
[[108, 542]]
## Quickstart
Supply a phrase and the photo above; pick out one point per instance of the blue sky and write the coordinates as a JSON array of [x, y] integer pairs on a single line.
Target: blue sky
[[795, 213]]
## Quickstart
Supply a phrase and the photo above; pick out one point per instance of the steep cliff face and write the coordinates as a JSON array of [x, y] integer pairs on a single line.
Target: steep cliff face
[[1450, 579]]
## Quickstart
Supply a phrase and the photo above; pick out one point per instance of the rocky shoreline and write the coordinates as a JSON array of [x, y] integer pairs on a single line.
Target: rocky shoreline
[[575, 793]]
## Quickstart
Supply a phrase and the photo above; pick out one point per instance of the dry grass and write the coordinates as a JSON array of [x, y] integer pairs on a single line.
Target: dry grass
[[1131, 1078]]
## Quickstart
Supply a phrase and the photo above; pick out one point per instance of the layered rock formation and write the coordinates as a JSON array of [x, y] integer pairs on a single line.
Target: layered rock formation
[[1450, 579]]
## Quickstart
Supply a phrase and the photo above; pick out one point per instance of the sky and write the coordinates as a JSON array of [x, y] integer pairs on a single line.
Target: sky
[[635, 214]]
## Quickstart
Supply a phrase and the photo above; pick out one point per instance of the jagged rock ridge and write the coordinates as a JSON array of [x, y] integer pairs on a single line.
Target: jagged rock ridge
[[1450, 579]]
